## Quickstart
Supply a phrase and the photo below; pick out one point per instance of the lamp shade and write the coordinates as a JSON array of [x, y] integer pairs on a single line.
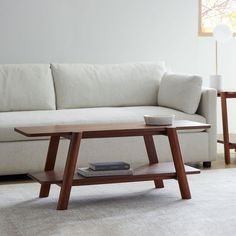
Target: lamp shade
[[222, 33]]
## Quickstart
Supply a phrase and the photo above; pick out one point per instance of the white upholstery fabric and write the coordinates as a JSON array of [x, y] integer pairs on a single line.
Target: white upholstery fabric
[[207, 109], [27, 98], [181, 92], [87, 85], [9, 120], [26, 87]]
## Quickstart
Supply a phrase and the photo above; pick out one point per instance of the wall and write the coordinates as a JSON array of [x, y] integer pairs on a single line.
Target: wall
[[112, 31]]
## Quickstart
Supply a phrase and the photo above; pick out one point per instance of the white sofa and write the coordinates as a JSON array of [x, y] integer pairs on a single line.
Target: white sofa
[[36, 95]]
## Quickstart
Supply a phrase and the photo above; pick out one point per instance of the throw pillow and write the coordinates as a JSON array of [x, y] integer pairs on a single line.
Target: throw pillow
[[180, 92]]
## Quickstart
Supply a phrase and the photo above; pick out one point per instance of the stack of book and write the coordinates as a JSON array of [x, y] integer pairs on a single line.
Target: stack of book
[[106, 169]]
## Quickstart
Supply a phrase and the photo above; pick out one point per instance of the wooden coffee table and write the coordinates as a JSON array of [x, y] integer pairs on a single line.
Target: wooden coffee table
[[154, 171]]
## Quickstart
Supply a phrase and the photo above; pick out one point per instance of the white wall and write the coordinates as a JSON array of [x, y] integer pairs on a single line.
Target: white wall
[[111, 31]]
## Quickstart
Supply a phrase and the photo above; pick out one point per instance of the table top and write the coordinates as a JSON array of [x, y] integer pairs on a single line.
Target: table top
[[227, 93], [103, 129]]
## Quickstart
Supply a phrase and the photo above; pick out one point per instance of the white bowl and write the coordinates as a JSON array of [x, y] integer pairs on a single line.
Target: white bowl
[[159, 119]]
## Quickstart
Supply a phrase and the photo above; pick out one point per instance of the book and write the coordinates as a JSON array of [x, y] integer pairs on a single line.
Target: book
[[87, 172], [115, 165]]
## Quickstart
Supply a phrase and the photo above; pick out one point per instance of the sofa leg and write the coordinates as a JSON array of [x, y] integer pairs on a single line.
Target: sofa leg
[[159, 183], [207, 164]]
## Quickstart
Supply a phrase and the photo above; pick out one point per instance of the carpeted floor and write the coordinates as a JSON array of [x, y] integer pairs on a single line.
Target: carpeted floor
[[124, 209]]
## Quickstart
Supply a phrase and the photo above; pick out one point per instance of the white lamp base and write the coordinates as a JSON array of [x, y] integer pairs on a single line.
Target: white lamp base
[[216, 82]]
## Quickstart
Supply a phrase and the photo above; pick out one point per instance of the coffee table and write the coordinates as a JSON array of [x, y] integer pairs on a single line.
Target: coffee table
[[154, 171]]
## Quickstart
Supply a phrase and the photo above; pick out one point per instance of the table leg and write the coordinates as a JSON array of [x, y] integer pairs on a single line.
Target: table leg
[[69, 171], [152, 156], [50, 163], [178, 162], [225, 128]]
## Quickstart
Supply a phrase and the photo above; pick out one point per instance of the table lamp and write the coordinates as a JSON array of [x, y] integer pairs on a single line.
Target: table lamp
[[222, 34]]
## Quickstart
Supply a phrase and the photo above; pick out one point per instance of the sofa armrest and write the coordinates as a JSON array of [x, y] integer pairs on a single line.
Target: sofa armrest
[[207, 109], [207, 106]]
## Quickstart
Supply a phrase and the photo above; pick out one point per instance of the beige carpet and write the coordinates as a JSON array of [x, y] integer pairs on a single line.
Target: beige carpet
[[124, 209]]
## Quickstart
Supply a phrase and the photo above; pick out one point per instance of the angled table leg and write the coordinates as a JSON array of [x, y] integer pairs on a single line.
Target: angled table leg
[[178, 162], [152, 156], [69, 171], [225, 128], [50, 163]]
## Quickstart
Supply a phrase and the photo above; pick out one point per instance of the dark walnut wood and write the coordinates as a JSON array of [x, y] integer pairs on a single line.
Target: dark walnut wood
[[69, 171], [106, 130], [228, 94], [178, 162], [232, 140], [154, 171], [224, 95], [152, 156], [50, 163], [144, 173]]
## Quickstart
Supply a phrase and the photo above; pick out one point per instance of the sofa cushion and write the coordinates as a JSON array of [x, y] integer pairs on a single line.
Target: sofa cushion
[[9, 120], [87, 85], [26, 87], [181, 92]]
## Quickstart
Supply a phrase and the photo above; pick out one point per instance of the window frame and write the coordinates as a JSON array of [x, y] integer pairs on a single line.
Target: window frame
[[200, 32]]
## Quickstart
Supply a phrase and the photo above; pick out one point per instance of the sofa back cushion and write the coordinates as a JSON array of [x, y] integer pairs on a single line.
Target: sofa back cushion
[[180, 92], [87, 85], [26, 87]]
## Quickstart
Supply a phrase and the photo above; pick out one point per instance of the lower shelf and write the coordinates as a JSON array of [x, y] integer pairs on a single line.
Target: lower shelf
[[143, 173], [232, 140]]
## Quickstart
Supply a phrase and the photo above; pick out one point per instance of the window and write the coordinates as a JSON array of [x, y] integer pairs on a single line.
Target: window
[[213, 12]]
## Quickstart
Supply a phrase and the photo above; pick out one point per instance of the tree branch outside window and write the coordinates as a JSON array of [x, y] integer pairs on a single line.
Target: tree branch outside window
[[213, 12]]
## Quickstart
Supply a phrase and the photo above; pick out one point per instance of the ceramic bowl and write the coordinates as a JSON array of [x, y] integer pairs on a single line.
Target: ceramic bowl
[[159, 119]]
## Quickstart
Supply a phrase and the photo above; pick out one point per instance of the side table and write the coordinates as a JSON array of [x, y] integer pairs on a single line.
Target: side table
[[226, 139]]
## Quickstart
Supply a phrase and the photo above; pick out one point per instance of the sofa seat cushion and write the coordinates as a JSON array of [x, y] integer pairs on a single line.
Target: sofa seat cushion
[[9, 120], [26, 87]]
